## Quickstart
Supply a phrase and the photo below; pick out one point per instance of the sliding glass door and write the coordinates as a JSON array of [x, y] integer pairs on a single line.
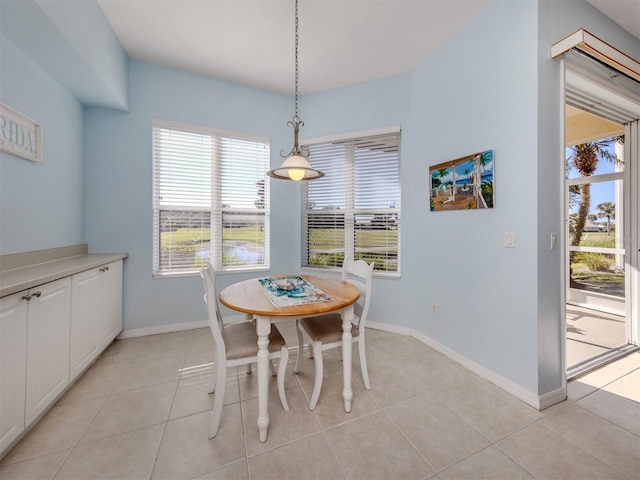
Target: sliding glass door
[[602, 213]]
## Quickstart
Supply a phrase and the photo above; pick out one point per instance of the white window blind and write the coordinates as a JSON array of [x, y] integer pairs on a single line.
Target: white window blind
[[211, 200], [355, 208]]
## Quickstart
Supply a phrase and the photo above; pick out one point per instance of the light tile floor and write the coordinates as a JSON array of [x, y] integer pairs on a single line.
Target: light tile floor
[[591, 333], [142, 411]]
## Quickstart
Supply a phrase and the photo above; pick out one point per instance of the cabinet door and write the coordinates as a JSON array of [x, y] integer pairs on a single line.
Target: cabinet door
[[49, 312], [112, 301], [13, 366], [86, 319]]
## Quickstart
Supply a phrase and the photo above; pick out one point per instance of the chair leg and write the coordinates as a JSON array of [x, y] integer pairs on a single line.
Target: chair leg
[[212, 381], [363, 363], [272, 368], [249, 369], [317, 383], [296, 369], [216, 413], [282, 370]]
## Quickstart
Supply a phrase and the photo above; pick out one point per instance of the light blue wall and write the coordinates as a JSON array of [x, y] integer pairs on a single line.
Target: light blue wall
[[74, 43], [478, 93], [41, 205], [119, 184]]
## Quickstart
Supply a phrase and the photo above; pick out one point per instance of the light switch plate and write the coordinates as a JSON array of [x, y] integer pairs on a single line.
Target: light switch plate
[[509, 239]]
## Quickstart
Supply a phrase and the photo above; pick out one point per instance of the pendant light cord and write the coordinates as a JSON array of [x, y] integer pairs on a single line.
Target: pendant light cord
[[296, 56], [296, 166]]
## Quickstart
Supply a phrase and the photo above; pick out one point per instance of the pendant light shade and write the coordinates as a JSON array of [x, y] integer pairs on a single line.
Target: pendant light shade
[[296, 165]]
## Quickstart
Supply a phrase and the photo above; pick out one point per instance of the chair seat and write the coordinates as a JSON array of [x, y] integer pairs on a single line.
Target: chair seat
[[327, 328], [241, 340]]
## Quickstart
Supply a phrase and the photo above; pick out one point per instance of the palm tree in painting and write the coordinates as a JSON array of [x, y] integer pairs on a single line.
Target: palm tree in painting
[[439, 175], [485, 158], [467, 173], [607, 210]]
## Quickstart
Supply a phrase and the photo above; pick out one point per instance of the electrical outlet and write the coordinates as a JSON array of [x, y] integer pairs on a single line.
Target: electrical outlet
[[434, 309]]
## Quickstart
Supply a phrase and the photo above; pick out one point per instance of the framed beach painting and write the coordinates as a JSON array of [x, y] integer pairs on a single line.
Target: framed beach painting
[[462, 184]]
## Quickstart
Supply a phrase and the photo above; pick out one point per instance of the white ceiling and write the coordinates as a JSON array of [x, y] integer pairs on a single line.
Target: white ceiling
[[625, 13], [341, 42]]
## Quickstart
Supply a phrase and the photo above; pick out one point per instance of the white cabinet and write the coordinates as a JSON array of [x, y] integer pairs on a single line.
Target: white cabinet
[[96, 313], [49, 312], [112, 302], [13, 366], [34, 354], [49, 334], [86, 297]]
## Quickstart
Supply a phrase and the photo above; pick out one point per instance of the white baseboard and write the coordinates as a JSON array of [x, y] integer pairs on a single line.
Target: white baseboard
[[551, 398], [174, 327], [539, 402]]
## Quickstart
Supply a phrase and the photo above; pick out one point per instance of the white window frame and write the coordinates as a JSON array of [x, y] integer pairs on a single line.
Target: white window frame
[[350, 211], [216, 214]]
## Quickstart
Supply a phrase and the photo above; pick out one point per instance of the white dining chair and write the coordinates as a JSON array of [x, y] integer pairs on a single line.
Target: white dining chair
[[236, 344], [325, 331]]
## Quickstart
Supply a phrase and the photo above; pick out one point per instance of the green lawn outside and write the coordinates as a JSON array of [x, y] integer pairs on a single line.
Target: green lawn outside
[[327, 246], [331, 238], [320, 239], [598, 239], [189, 236], [184, 236], [182, 245], [597, 272]]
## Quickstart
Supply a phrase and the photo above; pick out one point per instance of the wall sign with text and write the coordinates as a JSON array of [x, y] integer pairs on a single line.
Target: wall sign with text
[[20, 135]]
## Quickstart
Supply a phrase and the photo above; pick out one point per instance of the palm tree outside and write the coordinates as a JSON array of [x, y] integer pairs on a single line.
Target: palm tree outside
[[607, 210], [584, 158]]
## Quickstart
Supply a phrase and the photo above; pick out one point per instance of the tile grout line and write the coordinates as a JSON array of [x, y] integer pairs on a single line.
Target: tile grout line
[[166, 422], [612, 467], [88, 423]]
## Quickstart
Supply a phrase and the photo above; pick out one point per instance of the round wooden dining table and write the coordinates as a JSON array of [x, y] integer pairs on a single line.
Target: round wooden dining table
[[249, 297]]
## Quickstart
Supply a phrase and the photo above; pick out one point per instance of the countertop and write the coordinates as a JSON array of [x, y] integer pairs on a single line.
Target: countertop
[[18, 279]]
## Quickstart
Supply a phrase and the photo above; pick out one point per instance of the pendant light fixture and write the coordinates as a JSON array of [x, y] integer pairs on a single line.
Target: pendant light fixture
[[296, 166]]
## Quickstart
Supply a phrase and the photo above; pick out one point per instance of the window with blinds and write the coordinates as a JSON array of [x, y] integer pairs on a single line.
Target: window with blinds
[[210, 200], [355, 208]]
